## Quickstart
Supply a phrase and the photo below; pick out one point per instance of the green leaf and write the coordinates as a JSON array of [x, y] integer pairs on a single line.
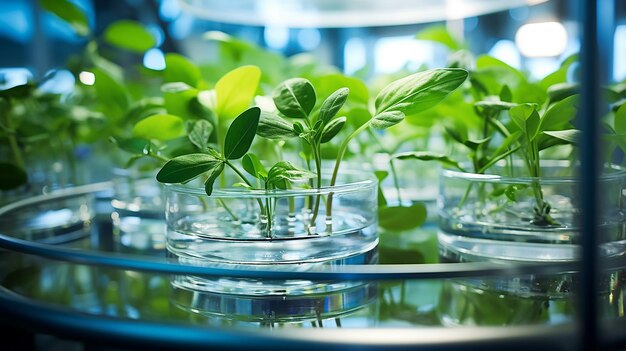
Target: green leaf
[[272, 126], [285, 171], [160, 127], [70, 13], [526, 118], [332, 129], [419, 91], [178, 97], [506, 94], [474, 144], [213, 174], [179, 69], [428, 156], [295, 98], [236, 90], [241, 133], [132, 145], [298, 128], [495, 105], [561, 91], [253, 165], [387, 119], [571, 136], [328, 84], [200, 133], [129, 35], [112, 94], [186, 167], [399, 218], [559, 115], [440, 35], [11, 176], [333, 104]]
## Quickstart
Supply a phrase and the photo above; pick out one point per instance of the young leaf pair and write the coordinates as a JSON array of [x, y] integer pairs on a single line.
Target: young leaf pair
[[237, 142]]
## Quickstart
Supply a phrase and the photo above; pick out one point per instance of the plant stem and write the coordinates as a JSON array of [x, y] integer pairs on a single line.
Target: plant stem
[[262, 208], [396, 182], [333, 179], [318, 166]]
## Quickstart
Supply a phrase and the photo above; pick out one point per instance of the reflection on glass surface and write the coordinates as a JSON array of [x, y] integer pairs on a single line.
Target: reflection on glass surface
[[347, 13]]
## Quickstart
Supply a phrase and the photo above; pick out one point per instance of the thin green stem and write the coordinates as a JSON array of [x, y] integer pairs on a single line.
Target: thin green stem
[[396, 182], [333, 179], [262, 208], [318, 166]]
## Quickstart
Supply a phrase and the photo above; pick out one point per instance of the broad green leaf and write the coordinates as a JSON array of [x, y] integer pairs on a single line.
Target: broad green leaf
[[253, 165], [70, 13], [505, 94], [178, 97], [381, 175], [561, 91], [458, 132], [571, 136], [186, 167], [333, 104], [332, 129], [235, 91], [419, 91], [272, 126], [285, 171], [144, 108], [11, 176], [440, 35], [129, 35], [160, 127], [241, 133], [475, 143], [526, 118], [180, 69], [132, 145], [112, 94], [295, 98], [399, 218], [200, 133], [428, 156], [560, 75], [387, 119], [559, 115], [494, 105], [213, 174], [327, 84]]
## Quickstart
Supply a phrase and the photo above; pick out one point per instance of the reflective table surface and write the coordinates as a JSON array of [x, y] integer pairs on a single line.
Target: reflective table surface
[[68, 269]]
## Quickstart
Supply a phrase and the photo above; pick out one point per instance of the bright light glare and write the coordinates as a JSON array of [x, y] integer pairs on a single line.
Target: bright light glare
[[276, 37], [87, 78], [506, 51], [395, 53], [541, 39], [154, 59], [619, 52], [354, 55]]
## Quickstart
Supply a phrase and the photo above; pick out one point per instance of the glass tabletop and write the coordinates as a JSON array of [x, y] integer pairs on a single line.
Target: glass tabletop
[[65, 268]]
